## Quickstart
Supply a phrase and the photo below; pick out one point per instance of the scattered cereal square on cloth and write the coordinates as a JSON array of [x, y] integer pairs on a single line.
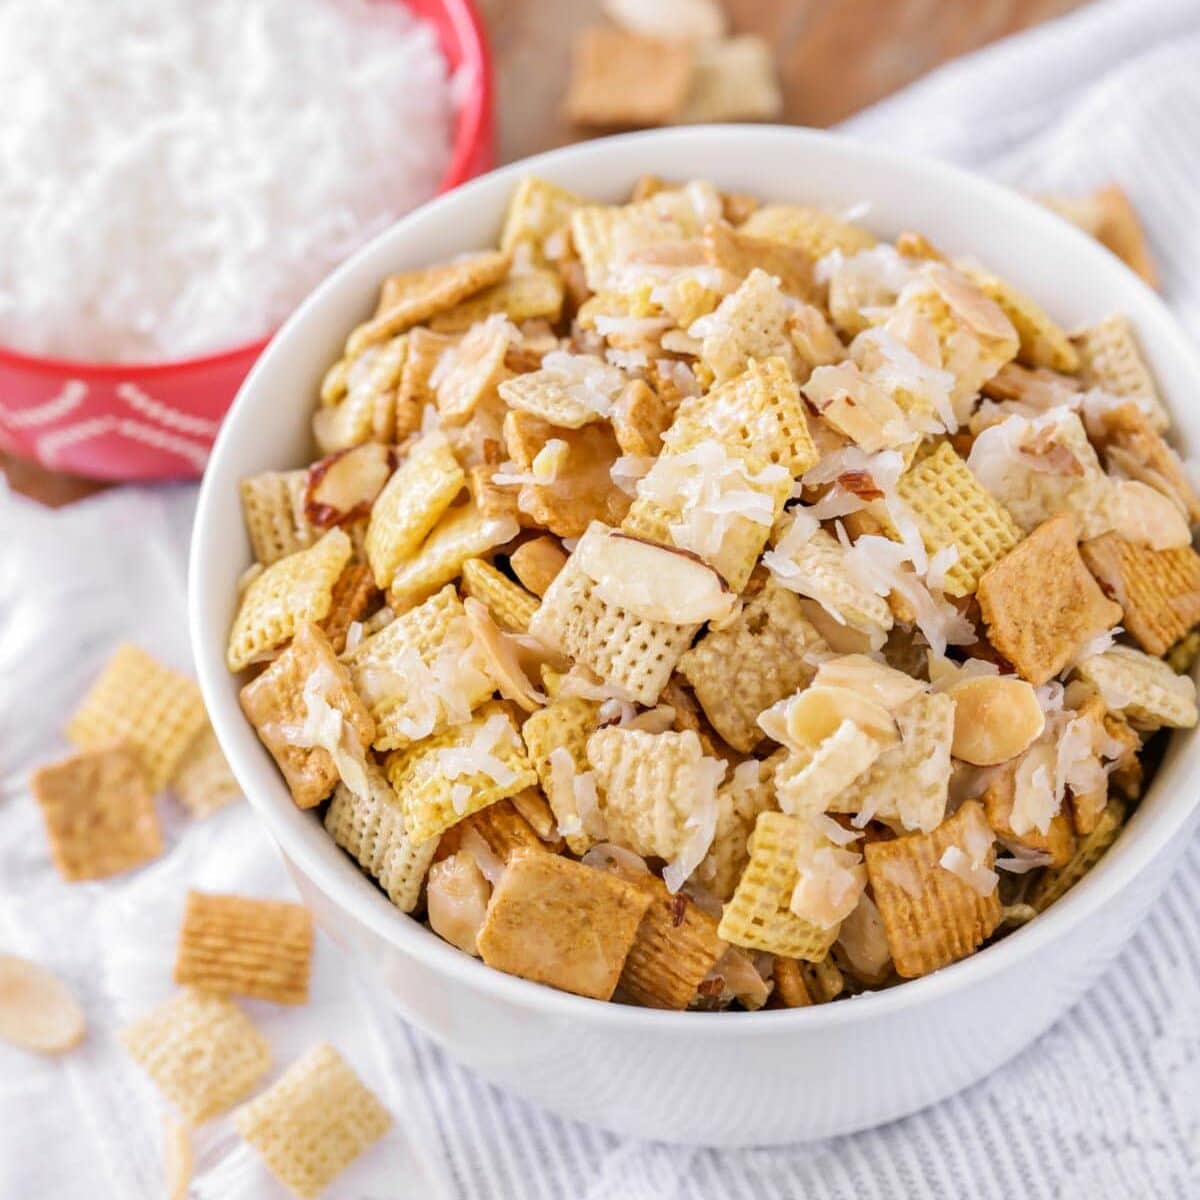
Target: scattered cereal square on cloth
[[313, 1122], [1041, 604], [931, 915], [201, 1051], [236, 944], [137, 701], [203, 780], [308, 715], [99, 813], [620, 78], [556, 921]]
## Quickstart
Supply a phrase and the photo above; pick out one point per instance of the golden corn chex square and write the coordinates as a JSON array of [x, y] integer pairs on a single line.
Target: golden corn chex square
[[548, 394], [200, 1050], [203, 780], [420, 671], [1111, 359], [99, 813], [675, 946], [273, 508], [1043, 343], [1142, 688], [236, 944], [639, 419], [626, 650], [749, 790], [491, 498], [462, 533], [1054, 883], [812, 230], [411, 297], [749, 664], [537, 210], [760, 410], [438, 783], [564, 723], [535, 295], [930, 915], [677, 504], [951, 509], [558, 922], [353, 594], [285, 703], [371, 829], [651, 783], [411, 504], [143, 704], [623, 78], [289, 592], [473, 371], [511, 606], [1041, 604], [367, 411], [607, 236], [909, 783], [1159, 589], [313, 1122], [758, 916]]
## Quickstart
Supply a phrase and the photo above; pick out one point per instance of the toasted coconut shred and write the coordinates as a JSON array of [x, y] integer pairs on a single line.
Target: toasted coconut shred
[[215, 160], [787, 684]]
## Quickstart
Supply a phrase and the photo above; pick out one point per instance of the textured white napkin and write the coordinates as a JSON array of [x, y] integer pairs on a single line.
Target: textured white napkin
[[1104, 1107]]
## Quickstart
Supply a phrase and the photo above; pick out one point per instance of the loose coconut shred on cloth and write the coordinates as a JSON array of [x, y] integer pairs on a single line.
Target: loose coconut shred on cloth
[[1104, 1106], [176, 176]]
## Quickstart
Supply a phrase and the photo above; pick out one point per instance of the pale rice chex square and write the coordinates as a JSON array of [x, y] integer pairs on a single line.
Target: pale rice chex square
[[1142, 688], [565, 725], [273, 508], [203, 780], [313, 1122], [145, 705], [201, 1051]]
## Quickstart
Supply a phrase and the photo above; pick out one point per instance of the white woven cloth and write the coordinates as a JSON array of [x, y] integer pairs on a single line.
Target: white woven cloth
[[1104, 1107]]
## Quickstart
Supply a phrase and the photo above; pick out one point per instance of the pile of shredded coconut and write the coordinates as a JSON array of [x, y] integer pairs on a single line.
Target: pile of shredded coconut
[[177, 175]]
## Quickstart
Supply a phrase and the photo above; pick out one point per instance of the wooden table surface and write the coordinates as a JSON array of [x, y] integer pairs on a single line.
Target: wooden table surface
[[833, 56]]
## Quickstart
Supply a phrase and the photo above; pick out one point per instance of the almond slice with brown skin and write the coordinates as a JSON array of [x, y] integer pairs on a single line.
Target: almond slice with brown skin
[[343, 486], [37, 1011]]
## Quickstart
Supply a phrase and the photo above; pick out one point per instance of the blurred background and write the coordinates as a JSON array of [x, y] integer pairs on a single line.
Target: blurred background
[[830, 59]]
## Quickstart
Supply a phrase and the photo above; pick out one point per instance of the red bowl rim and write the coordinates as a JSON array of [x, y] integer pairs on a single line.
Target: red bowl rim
[[474, 128]]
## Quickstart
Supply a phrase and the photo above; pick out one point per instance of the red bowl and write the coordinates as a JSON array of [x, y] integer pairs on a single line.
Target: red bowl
[[146, 421]]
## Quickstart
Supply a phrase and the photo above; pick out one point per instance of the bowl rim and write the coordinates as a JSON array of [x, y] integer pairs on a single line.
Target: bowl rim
[[372, 909], [472, 131]]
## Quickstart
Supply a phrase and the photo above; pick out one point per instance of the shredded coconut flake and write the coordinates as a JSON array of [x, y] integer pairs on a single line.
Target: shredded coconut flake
[[198, 167], [973, 873]]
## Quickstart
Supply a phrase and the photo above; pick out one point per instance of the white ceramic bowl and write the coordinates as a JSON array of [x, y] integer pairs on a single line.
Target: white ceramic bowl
[[723, 1079]]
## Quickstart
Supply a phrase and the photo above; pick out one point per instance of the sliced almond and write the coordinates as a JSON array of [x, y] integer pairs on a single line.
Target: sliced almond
[[1145, 516], [177, 1159], [503, 665], [983, 314], [651, 581], [885, 685], [343, 486], [805, 720], [37, 1011], [996, 717], [457, 898]]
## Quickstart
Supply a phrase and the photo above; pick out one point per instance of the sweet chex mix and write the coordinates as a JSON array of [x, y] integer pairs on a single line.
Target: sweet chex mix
[[699, 602]]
